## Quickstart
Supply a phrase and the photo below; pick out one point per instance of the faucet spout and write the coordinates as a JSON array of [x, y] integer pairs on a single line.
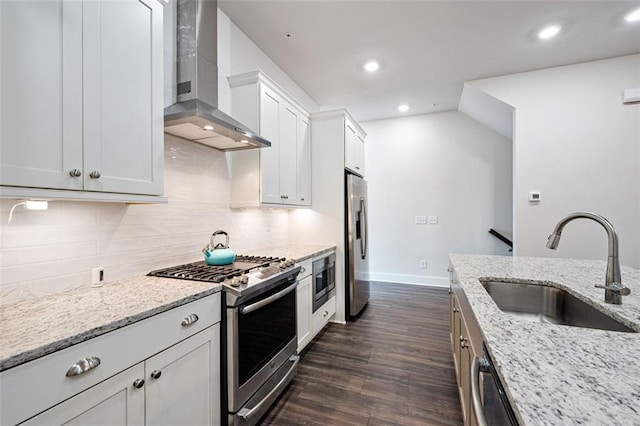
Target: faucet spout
[[613, 278]]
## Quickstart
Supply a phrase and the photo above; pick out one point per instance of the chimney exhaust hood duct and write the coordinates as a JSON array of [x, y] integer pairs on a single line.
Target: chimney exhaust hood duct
[[195, 116]]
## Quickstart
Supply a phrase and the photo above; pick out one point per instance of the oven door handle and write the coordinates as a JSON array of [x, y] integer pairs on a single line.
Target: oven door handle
[[272, 298], [477, 366], [246, 413]]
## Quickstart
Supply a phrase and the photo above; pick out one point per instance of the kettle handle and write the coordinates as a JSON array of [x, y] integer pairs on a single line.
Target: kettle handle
[[211, 243]]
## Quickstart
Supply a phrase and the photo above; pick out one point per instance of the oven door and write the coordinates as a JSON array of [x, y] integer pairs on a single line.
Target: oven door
[[261, 337]]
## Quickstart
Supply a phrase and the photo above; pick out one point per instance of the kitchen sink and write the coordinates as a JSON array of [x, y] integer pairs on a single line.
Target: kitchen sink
[[549, 305]]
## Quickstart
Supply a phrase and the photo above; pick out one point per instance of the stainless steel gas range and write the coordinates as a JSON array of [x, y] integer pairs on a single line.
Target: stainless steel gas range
[[260, 329]]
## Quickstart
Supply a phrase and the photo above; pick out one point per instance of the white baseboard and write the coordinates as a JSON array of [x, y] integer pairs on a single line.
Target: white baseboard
[[409, 279]]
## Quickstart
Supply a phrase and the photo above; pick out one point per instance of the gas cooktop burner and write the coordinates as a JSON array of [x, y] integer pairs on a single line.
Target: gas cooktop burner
[[200, 271]]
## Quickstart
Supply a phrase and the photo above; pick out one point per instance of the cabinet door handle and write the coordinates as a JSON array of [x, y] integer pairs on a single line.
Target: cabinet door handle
[[155, 374], [189, 320], [75, 173], [454, 281], [138, 383], [83, 366], [325, 313], [357, 167], [94, 174], [302, 270]]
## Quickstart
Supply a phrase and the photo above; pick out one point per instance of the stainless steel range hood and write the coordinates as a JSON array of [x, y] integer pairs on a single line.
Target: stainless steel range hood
[[196, 116]]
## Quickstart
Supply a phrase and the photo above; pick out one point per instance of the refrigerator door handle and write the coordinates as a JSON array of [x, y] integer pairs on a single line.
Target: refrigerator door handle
[[364, 229]]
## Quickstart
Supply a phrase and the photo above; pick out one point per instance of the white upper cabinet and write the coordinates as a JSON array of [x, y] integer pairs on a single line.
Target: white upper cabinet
[[281, 174], [353, 148], [81, 96]]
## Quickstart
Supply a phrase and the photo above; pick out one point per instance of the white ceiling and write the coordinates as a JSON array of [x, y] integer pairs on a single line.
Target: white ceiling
[[427, 48]]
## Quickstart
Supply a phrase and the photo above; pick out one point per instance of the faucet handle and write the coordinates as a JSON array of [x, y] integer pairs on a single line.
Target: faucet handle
[[616, 288]]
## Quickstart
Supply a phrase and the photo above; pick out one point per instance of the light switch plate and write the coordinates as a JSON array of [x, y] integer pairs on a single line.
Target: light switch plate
[[433, 220], [421, 220]]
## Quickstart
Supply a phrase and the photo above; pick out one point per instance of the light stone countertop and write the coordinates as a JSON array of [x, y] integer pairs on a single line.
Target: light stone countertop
[[33, 328], [299, 252], [553, 374]]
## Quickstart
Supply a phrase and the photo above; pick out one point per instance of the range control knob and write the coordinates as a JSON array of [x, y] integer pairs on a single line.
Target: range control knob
[[282, 265], [244, 279], [235, 282], [290, 262]]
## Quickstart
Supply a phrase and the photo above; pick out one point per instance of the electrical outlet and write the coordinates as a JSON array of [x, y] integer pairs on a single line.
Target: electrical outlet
[[97, 275], [423, 264]]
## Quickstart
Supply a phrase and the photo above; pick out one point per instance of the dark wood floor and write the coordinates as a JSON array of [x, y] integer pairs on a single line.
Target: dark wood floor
[[393, 366]]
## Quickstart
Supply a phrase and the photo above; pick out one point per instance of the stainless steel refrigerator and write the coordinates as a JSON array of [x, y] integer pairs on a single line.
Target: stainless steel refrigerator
[[357, 250]]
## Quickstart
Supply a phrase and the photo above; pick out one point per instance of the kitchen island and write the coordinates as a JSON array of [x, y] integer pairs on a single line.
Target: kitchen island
[[555, 374]]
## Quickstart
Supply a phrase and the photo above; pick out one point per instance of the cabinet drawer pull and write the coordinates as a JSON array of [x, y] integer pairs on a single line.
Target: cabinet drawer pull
[[138, 383], [83, 366], [155, 374], [94, 174], [189, 320], [75, 173], [454, 281], [358, 168], [325, 313], [303, 270]]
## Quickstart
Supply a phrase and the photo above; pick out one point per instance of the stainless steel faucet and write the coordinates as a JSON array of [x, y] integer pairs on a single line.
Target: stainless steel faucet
[[613, 282]]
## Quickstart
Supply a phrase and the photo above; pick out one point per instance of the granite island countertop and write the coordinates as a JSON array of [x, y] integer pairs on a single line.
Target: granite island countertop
[[557, 374], [33, 328]]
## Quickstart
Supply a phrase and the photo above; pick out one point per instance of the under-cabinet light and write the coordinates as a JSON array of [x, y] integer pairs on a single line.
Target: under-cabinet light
[[549, 32], [633, 16]]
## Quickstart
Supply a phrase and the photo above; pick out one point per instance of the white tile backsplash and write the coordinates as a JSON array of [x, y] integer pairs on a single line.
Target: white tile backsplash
[[45, 252]]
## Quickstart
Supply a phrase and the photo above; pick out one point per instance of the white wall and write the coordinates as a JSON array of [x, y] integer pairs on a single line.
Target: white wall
[[579, 145], [443, 164]]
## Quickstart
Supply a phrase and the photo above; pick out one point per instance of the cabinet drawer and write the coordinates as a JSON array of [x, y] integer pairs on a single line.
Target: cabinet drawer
[[30, 388], [306, 268], [322, 316]]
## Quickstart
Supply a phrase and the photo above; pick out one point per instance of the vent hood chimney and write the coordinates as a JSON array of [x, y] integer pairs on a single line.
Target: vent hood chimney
[[195, 116]]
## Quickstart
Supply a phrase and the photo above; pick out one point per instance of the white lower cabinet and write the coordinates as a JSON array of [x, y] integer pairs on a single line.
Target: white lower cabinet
[[303, 302], [322, 316], [187, 383], [177, 386], [161, 370], [115, 401]]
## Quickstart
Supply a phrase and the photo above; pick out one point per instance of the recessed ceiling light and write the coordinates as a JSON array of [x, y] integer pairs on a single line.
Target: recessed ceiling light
[[403, 108], [633, 16], [371, 66], [549, 32], [208, 128]]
